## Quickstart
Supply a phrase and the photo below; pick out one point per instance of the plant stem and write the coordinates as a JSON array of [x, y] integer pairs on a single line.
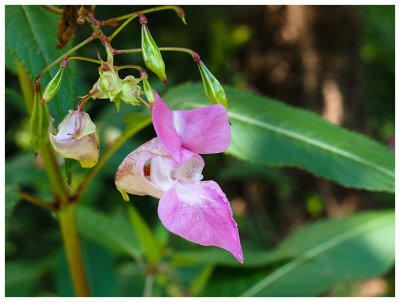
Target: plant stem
[[53, 173], [83, 43], [177, 9], [53, 9], [121, 27], [148, 285], [84, 59], [66, 217], [66, 212], [194, 54], [36, 201], [110, 151]]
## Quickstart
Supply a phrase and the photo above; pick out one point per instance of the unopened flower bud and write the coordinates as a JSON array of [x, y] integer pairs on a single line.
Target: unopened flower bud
[[109, 84], [77, 138], [213, 88], [53, 86], [149, 91], [130, 90], [152, 55]]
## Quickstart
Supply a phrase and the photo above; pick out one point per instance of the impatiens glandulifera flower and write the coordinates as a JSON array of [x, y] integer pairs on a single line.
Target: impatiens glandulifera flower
[[168, 167], [213, 88], [53, 86], [151, 54], [130, 90], [77, 138]]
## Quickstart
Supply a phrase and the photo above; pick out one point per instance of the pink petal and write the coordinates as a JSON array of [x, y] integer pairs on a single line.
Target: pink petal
[[201, 213], [163, 123], [204, 130], [130, 175]]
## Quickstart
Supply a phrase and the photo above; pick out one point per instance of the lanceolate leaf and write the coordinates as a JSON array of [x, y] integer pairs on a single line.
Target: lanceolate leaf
[[346, 249], [33, 43], [315, 258], [269, 132]]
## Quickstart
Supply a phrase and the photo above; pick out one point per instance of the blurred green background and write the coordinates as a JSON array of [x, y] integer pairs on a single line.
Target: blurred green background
[[337, 61]]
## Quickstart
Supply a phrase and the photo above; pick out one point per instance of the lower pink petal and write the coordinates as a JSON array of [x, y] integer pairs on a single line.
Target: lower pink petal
[[201, 213]]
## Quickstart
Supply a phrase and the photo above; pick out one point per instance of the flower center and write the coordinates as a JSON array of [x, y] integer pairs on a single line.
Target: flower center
[[189, 172]]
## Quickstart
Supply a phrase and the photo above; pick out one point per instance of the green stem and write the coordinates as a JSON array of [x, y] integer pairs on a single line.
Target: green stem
[[177, 9], [84, 59], [66, 218], [121, 27], [83, 43], [36, 201], [66, 212], [110, 151], [53, 173], [194, 54]]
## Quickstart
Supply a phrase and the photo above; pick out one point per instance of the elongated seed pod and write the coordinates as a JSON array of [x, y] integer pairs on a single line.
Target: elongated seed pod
[[213, 88], [53, 86]]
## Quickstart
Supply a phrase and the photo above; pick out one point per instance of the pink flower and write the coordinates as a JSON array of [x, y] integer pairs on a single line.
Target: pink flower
[[168, 167]]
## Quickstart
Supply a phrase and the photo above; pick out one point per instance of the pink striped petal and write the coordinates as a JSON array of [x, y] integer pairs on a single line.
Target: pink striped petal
[[201, 213], [203, 130], [130, 175]]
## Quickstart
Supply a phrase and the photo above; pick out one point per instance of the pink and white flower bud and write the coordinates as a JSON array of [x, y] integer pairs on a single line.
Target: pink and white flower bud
[[77, 138]]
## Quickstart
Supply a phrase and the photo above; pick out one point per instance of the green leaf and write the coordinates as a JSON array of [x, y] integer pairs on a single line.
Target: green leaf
[[40, 121], [32, 42], [11, 199], [269, 132], [114, 233], [332, 252], [143, 232]]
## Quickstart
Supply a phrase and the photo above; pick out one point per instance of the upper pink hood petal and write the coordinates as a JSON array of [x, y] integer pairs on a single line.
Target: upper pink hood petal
[[203, 130], [130, 175], [201, 213], [163, 123]]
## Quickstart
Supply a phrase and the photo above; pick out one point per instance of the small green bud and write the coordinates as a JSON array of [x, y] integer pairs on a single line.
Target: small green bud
[[130, 90], [53, 86], [149, 91], [40, 121], [213, 88], [109, 84], [152, 55]]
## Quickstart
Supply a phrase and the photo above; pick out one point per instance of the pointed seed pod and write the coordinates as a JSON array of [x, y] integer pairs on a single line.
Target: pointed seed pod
[[151, 54], [149, 91], [53, 86], [213, 88], [40, 121]]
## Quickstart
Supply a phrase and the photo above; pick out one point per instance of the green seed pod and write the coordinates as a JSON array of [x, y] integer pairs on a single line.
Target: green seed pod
[[148, 90], [40, 121], [151, 54], [130, 90], [213, 88], [53, 86]]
